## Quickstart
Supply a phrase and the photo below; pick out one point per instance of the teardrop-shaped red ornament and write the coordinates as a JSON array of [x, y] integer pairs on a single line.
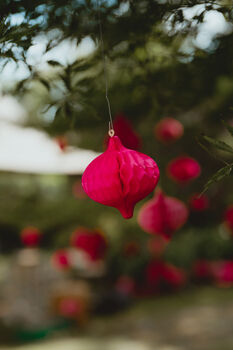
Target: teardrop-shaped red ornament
[[162, 215], [120, 177]]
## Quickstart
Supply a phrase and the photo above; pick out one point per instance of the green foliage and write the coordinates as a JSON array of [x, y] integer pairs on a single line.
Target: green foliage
[[222, 146]]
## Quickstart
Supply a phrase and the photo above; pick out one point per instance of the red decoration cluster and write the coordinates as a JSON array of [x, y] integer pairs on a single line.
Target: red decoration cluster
[[30, 236], [93, 243], [162, 215], [168, 130], [120, 177]]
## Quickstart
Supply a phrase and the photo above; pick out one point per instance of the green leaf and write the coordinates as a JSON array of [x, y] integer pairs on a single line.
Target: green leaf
[[219, 175], [218, 144], [229, 127]]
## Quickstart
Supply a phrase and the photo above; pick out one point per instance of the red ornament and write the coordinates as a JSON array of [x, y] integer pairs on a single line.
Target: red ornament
[[62, 142], [162, 274], [61, 259], [120, 177], [183, 169], [123, 129], [168, 130], [223, 273], [228, 218], [199, 202], [162, 215], [93, 243], [30, 236]]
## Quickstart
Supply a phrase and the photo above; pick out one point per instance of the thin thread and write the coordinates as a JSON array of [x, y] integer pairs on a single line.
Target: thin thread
[[111, 130]]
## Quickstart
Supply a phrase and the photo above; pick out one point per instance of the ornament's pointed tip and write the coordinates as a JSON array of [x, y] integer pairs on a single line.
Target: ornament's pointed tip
[[127, 213]]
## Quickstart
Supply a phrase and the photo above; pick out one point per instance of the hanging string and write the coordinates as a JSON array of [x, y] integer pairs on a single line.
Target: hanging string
[[111, 130]]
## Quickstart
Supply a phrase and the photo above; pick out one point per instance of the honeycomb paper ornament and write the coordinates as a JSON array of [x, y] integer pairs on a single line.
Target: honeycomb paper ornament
[[162, 215], [120, 177]]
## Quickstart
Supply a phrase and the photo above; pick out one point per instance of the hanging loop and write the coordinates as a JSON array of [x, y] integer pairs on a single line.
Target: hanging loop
[[111, 131]]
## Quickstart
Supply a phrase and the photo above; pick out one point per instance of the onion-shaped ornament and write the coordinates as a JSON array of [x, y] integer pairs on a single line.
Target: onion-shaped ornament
[[162, 215], [183, 169], [168, 130], [120, 177]]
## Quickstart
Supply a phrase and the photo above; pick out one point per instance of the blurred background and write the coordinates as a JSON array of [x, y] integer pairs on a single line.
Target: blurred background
[[73, 273]]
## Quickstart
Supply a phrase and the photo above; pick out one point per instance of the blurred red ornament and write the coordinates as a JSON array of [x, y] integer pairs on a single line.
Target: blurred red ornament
[[93, 243], [61, 259], [78, 190], [159, 274], [30, 236], [168, 130], [125, 285], [157, 245], [131, 249], [202, 270], [199, 202], [183, 169], [162, 215], [61, 142], [69, 307], [120, 177], [124, 130], [223, 273], [228, 218]]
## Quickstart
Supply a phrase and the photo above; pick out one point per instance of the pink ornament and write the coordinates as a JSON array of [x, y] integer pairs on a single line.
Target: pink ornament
[[168, 130], [199, 202], [61, 259], [183, 169], [162, 215], [30, 236], [120, 177], [123, 129], [228, 218], [93, 243]]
